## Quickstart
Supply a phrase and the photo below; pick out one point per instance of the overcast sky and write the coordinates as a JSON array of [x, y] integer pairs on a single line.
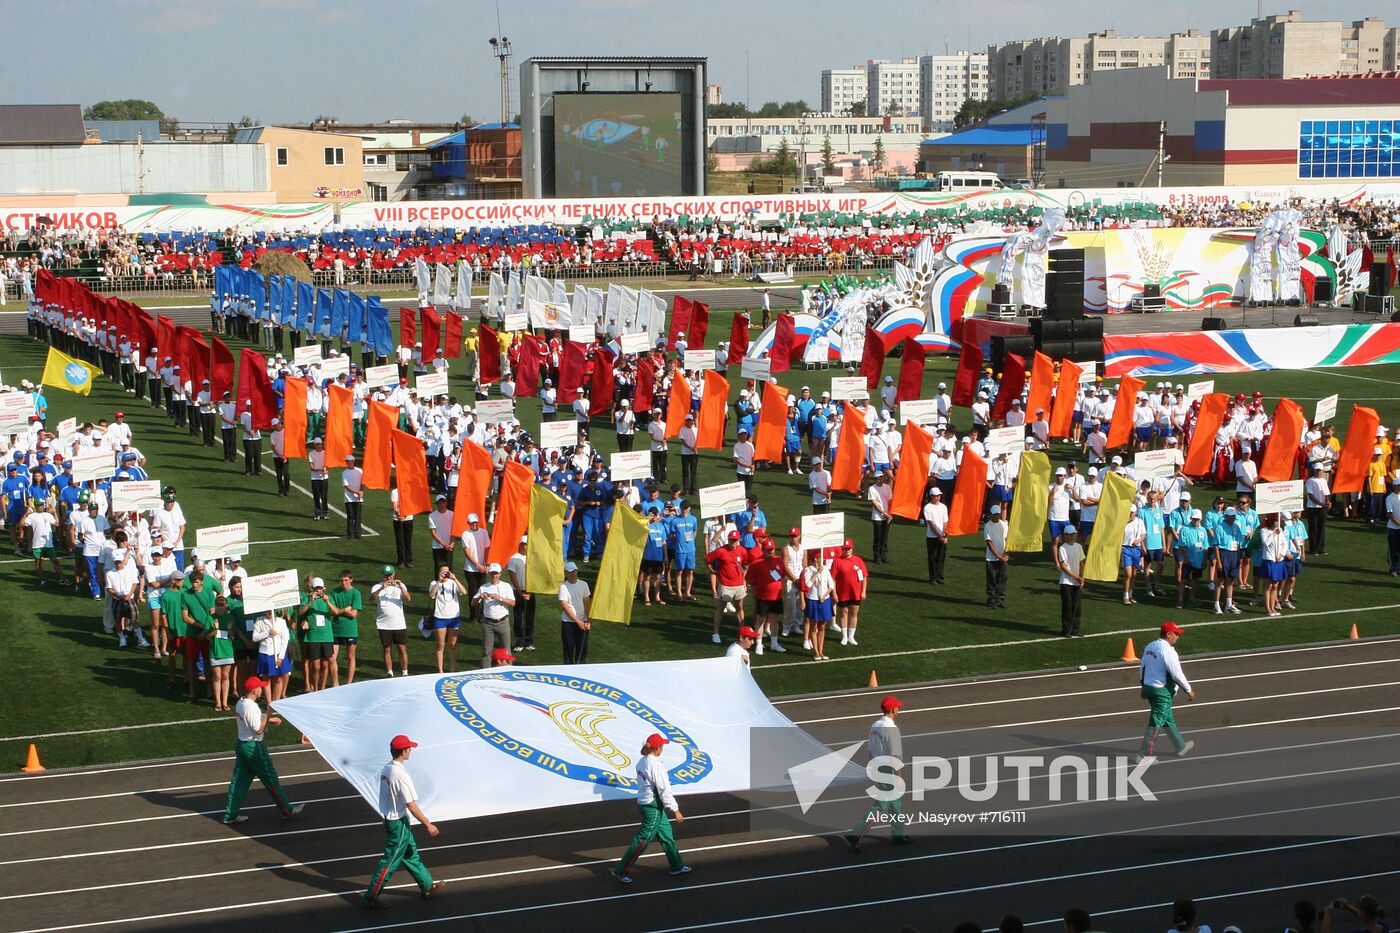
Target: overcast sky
[[292, 60]]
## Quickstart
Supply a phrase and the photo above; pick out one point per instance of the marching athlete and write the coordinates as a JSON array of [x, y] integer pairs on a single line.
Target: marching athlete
[[655, 800], [1161, 677], [398, 799], [884, 741], [250, 758]]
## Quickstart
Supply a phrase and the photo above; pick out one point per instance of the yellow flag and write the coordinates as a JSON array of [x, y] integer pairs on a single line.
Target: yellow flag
[[1032, 503], [622, 558], [544, 562], [1106, 543], [61, 371]]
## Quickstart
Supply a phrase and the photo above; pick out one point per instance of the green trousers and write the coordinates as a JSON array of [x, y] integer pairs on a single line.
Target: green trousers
[[399, 851], [1161, 717], [897, 828], [655, 825], [250, 760]]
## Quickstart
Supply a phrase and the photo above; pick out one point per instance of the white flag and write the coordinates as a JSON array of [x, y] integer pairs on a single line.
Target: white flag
[[495, 297], [424, 277], [463, 299]]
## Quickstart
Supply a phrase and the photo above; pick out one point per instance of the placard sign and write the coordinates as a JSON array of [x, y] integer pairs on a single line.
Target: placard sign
[[1005, 440], [758, 368], [135, 495], [492, 410], [15, 409], [1199, 390], [634, 343], [582, 333], [333, 366], [631, 464], [558, 434], [722, 500], [1326, 409], [268, 591], [67, 426], [430, 385], [1154, 464], [516, 320], [307, 355], [848, 388], [823, 531], [1278, 497], [379, 377], [699, 359], [921, 411], [222, 541], [97, 464]]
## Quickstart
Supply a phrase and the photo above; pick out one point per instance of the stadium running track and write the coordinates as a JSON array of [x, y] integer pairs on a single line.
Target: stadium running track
[[141, 846]]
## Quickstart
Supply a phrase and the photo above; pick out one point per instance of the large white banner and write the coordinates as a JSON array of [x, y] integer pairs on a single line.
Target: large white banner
[[508, 739]]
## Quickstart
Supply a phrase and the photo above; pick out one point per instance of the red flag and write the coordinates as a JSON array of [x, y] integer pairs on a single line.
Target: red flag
[[512, 512], [738, 339], [772, 424], [965, 380], [488, 355], [1120, 429], [872, 362], [1281, 452], [473, 482], [965, 512], [432, 334], [784, 339], [411, 471], [166, 339], [340, 437], [714, 408], [911, 371], [527, 369], [146, 329], [198, 373], [571, 367], [849, 464], [1013, 380], [408, 328], [453, 337], [600, 394], [1206, 426], [221, 368], [678, 404], [680, 321], [379, 456], [1042, 385], [1356, 452], [294, 417], [699, 325], [255, 389], [907, 499], [645, 391], [1066, 395]]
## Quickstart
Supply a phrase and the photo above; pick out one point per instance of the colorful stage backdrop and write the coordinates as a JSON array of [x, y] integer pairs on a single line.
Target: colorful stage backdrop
[[1239, 351]]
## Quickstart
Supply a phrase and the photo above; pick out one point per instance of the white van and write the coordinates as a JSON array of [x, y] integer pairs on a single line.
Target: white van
[[966, 181]]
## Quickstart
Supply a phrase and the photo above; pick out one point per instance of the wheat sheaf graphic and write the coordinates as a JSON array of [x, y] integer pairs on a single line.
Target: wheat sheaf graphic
[[579, 720], [1156, 260]]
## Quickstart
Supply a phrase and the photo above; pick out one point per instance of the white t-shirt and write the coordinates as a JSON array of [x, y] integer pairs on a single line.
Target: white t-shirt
[[743, 454], [491, 607], [441, 524], [1059, 502], [819, 481], [396, 791], [168, 522], [880, 493], [994, 533], [91, 533], [41, 524], [249, 717], [447, 599], [388, 614], [737, 650], [1071, 556], [573, 594], [353, 481], [935, 519]]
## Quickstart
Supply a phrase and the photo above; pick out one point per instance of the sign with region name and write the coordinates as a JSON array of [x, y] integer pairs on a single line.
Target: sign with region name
[[823, 531], [222, 541], [639, 342], [699, 359], [333, 366], [1005, 441], [136, 495], [558, 433], [921, 411], [1326, 409], [1155, 464], [516, 320], [379, 377], [492, 410], [630, 464], [268, 591], [1199, 390], [15, 409], [757, 368], [1278, 497], [97, 464], [307, 355], [719, 501], [431, 385], [848, 388], [582, 333]]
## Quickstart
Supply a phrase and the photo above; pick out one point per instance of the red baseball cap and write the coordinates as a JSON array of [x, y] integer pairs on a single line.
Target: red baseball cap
[[734, 536], [656, 740], [253, 683], [848, 543], [399, 742], [747, 632], [890, 703], [501, 654], [118, 414], [794, 532], [768, 545], [1171, 628]]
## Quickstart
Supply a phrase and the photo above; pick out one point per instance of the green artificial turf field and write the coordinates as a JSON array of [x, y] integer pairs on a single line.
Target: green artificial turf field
[[63, 675]]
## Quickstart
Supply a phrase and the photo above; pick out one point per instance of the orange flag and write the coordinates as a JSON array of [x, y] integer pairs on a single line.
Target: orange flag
[[378, 441], [411, 469], [1042, 384], [1356, 452], [1209, 417], [714, 407], [907, 500], [772, 424], [1281, 452], [512, 512], [340, 438], [850, 450], [965, 514], [294, 418], [1066, 395], [1120, 429], [678, 405], [473, 482]]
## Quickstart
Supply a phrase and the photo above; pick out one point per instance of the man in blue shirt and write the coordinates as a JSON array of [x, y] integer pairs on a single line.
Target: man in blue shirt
[[45, 467], [1228, 540], [129, 469], [1177, 519], [685, 528], [14, 488], [1154, 541], [590, 504], [653, 505], [653, 559], [1191, 545], [1297, 532], [749, 521]]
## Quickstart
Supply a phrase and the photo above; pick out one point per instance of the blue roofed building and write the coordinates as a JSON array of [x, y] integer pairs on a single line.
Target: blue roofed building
[[480, 162]]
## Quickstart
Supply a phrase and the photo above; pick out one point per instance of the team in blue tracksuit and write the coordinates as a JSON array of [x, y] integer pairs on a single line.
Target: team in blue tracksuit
[[685, 528], [590, 507]]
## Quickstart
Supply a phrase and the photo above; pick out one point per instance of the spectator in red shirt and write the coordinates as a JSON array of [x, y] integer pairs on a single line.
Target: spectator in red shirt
[[765, 576], [727, 564], [851, 578]]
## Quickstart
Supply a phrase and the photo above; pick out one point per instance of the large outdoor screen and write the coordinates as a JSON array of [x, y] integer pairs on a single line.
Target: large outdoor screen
[[617, 145]]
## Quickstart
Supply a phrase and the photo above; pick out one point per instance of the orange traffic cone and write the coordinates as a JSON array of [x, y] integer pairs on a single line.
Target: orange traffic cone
[[1354, 635], [305, 740], [1130, 653], [32, 765], [874, 681]]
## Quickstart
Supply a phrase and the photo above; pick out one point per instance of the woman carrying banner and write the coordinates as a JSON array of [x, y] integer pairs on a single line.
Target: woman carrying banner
[[655, 800]]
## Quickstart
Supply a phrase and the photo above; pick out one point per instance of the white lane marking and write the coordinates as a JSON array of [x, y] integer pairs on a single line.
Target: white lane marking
[[146, 766], [155, 790], [169, 816]]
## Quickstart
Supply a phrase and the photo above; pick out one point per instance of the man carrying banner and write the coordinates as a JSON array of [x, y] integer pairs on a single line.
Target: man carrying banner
[[1161, 675], [398, 799], [884, 742], [655, 800], [250, 758]]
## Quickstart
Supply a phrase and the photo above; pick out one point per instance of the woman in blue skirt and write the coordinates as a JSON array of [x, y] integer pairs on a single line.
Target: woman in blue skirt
[[818, 589]]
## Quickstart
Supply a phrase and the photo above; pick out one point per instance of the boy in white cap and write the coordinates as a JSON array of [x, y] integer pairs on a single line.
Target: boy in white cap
[[575, 601], [994, 534], [353, 479]]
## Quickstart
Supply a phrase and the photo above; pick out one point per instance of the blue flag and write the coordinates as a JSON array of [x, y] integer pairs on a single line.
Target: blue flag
[[340, 310], [257, 290], [306, 305], [324, 300], [221, 283], [381, 337], [274, 297], [355, 332], [289, 300]]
